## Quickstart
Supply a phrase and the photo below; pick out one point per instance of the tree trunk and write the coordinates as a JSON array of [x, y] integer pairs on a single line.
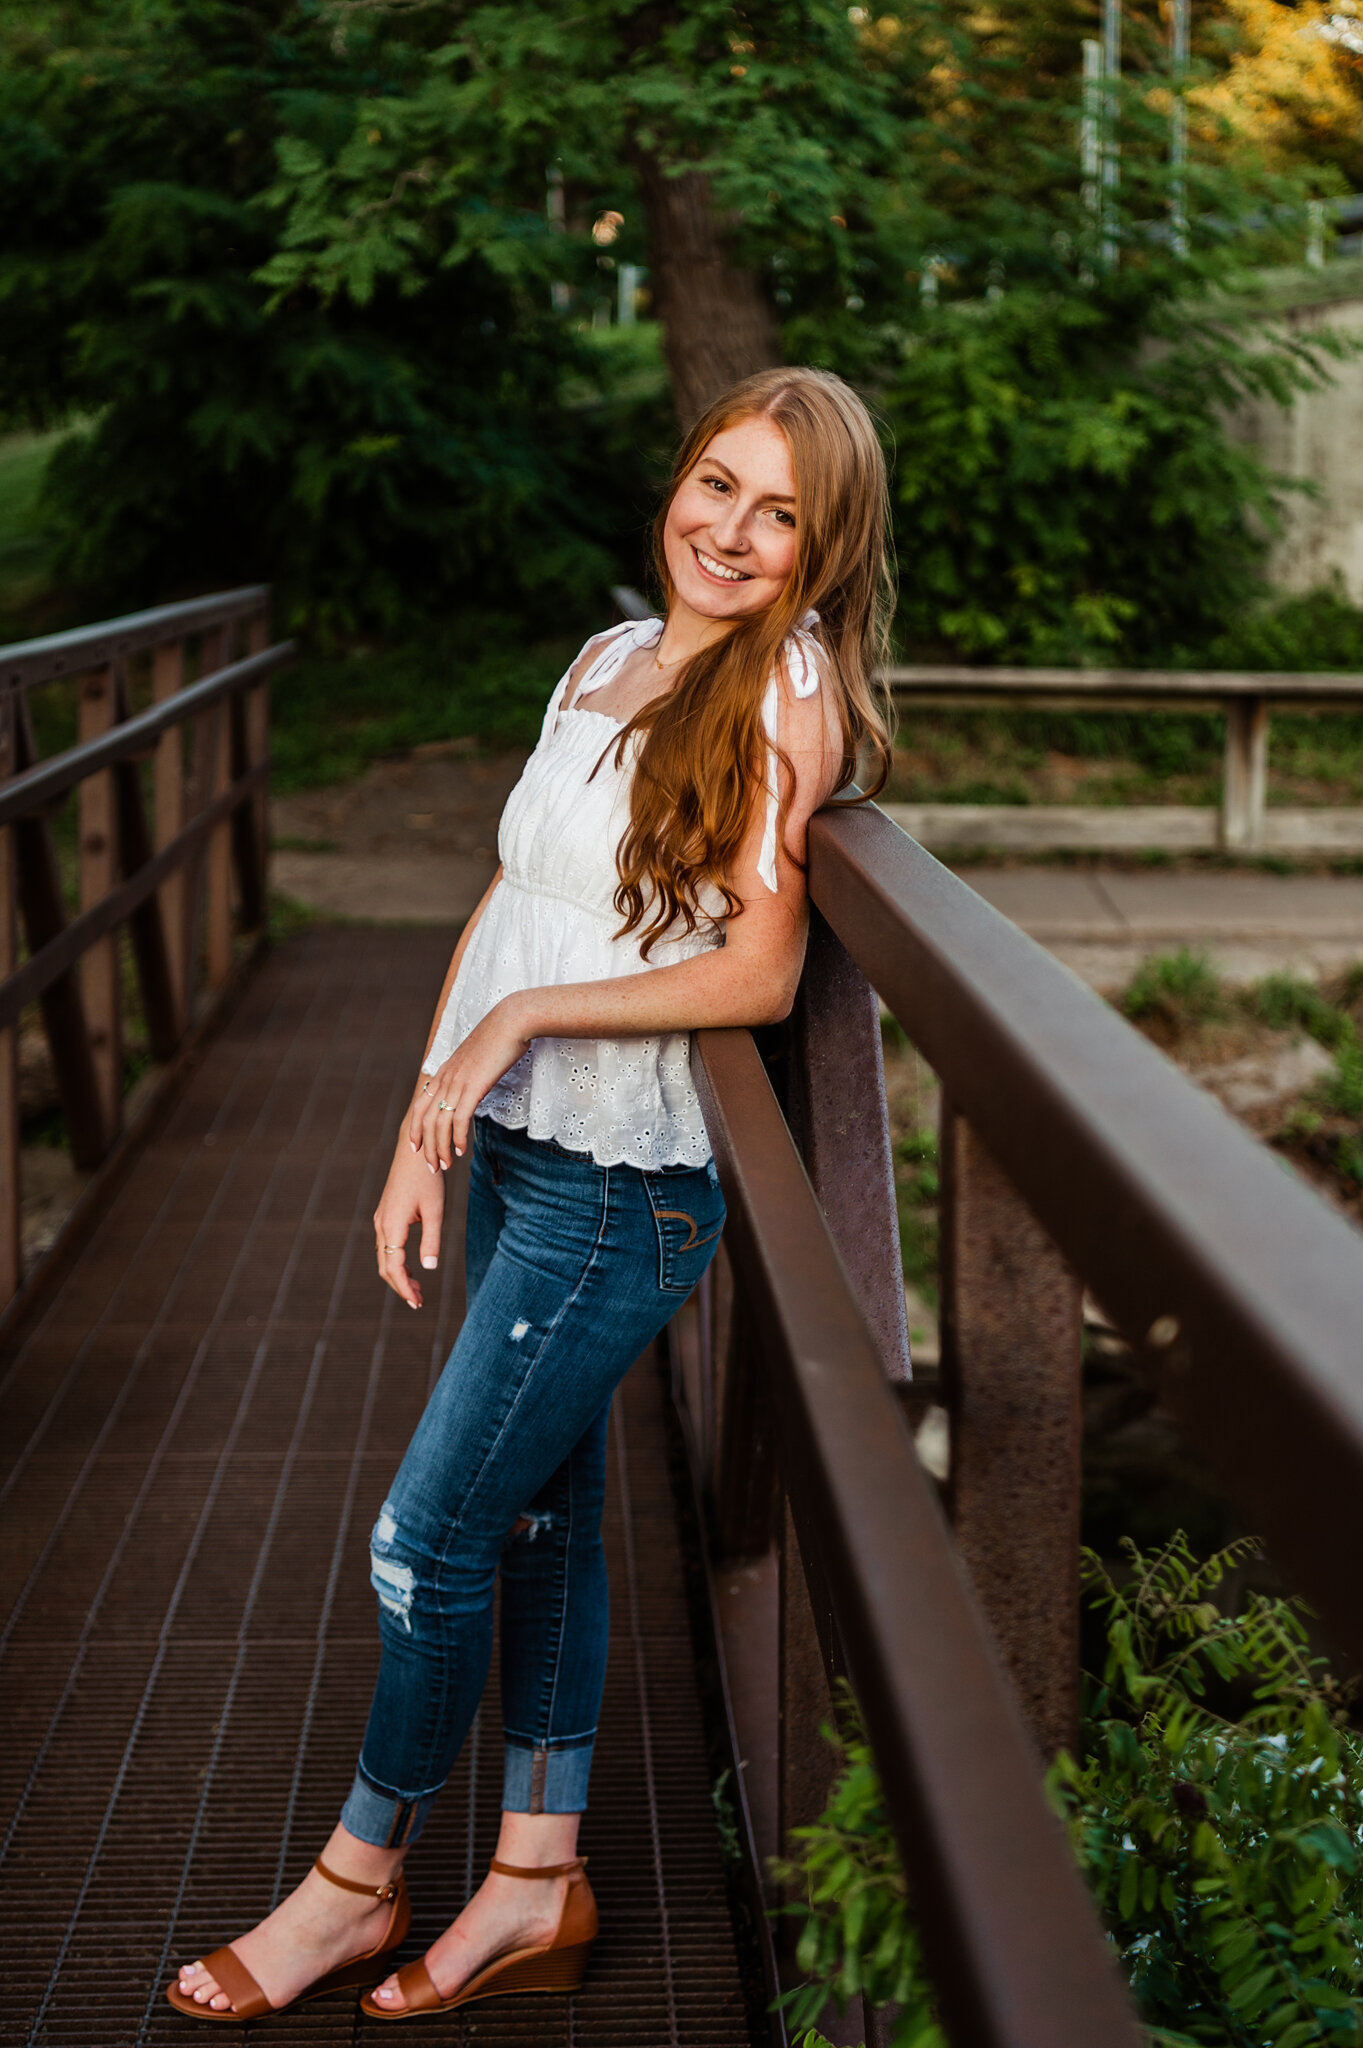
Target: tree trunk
[[718, 324]]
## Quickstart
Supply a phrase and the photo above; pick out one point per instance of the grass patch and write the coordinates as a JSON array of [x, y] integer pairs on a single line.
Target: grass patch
[[916, 1193], [1174, 990], [1284, 1000], [1114, 757], [25, 584], [1178, 1001], [479, 675]]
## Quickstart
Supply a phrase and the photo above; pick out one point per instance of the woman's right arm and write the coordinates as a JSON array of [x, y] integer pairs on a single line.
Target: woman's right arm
[[412, 1192], [456, 959]]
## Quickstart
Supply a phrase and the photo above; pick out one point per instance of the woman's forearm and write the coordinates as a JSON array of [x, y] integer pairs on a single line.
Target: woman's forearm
[[724, 987]]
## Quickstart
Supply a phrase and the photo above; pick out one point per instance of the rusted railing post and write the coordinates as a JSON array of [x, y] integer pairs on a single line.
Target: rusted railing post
[[746, 1485], [1011, 1335], [98, 865], [11, 1254], [216, 730], [44, 913], [841, 1123], [251, 825], [168, 785]]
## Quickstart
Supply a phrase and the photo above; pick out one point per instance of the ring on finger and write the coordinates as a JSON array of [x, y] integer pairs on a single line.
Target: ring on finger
[[442, 1105], [395, 1247]]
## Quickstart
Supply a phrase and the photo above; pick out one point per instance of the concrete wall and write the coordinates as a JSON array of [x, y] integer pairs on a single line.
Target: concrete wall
[[1320, 440]]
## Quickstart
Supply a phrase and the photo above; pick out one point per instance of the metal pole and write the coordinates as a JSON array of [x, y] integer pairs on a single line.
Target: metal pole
[[1178, 131], [1088, 136], [557, 215], [629, 278], [1112, 71]]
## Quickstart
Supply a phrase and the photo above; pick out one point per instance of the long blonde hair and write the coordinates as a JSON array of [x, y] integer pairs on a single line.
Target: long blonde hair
[[702, 762]]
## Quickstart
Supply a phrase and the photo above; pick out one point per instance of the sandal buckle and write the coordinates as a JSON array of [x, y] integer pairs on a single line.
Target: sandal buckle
[[387, 1891]]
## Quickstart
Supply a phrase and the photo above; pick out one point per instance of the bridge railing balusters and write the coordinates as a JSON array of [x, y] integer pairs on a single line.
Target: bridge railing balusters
[[99, 965], [168, 796], [11, 1266], [183, 882]]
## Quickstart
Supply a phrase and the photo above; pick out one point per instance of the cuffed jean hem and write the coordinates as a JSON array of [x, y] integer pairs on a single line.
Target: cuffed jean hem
[[382, 1818], [546, 1780]]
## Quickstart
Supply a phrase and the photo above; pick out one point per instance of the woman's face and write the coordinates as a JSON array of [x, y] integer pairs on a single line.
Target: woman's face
[[730, 532]]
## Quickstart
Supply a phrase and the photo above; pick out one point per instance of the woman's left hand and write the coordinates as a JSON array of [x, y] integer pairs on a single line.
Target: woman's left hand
[[438, 1127]]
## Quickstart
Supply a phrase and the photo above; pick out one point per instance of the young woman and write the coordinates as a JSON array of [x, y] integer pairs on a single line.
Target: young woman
[[651, 883]]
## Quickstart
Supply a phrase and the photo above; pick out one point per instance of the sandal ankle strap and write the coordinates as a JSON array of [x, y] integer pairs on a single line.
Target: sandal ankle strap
[[386, 1891], [539, 1870]]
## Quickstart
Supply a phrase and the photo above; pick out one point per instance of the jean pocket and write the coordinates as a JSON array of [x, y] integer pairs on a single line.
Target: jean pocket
[[688, 1215]]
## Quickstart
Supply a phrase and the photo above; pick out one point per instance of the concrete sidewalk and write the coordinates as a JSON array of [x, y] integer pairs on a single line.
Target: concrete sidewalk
[[1104, 923]]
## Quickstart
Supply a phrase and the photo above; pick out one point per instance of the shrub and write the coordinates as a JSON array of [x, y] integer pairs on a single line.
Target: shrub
[[859, 1932], [1177, 988], [1282, 1000], [1214, 1809]]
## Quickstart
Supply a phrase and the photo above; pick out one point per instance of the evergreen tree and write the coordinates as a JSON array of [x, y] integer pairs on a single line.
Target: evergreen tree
[[387, 450]]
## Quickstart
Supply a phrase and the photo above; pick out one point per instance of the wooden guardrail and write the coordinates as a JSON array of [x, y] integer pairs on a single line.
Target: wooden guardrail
[[1245, 699], [165, 868], [1073, 1154]]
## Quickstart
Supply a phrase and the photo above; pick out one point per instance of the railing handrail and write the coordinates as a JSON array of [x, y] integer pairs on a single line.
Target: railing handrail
[[33, 791], [62, 654], [1016, 1952], [1240, 1287], [1286, 684]]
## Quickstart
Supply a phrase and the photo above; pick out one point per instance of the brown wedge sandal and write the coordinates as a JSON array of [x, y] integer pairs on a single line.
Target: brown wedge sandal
[[249, 2001], [555, 1965]]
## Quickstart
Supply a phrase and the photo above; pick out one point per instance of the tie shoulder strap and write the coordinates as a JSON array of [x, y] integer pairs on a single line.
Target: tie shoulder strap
[[540, 1870]]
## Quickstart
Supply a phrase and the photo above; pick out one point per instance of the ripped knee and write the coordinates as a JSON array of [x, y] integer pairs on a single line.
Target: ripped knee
[[392, 1579]]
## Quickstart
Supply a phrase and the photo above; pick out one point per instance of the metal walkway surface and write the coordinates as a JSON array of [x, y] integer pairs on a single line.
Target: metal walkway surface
[[197, 1434]]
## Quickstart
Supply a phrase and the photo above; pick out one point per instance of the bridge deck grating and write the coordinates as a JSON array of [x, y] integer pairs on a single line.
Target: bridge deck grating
[[196, 1436]]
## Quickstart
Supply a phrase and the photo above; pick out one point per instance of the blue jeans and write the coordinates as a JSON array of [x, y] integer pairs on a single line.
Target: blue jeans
[[572, 1270]]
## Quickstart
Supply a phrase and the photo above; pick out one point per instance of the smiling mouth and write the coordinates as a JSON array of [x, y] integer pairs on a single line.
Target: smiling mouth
[[714, 568]]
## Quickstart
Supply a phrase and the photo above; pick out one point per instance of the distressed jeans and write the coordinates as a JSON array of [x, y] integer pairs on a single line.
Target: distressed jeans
[[572, 1269]]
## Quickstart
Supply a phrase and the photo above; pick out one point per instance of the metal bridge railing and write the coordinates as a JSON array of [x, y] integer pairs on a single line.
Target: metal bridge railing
[[1073, 1154], [184, 871]]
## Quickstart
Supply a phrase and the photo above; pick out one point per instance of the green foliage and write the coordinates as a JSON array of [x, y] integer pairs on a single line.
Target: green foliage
[[1177, 988], [291, 263], [916, 1192], [1314, 630], [378, 456], [1282, 1000], [1224, 1852], [23, 459], [1066, 490], [478, 674], [1214, 1810], [859, 1932], [1342, 1090], [1065, 494], [451, 156]]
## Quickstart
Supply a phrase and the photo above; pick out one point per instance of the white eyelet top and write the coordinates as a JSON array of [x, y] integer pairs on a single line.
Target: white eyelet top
[[552, 919]]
